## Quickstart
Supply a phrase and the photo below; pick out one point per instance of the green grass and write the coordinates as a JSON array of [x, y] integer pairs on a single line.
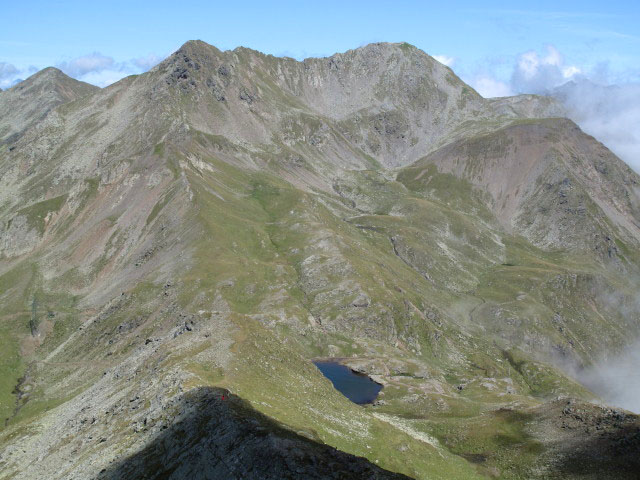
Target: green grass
[[37, 212], [15, 286], [11, 369], [159, 206], [304, 401], [497, 442]]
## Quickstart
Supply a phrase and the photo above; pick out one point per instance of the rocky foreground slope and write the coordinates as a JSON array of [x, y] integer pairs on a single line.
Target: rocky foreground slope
[[175, 249]]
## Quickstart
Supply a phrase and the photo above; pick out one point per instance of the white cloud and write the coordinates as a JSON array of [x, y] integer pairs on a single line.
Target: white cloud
[[92, 63], [148, 62], [445, 60], [101, 70], [609, 113], [615, 379], [570, 71], [8, 74], [535, 73], [104, 78], [7, 70], [489, 87]]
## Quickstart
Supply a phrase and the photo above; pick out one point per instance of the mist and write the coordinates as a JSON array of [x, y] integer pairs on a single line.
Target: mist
[[609, 113], [616, 380], [602, 104]]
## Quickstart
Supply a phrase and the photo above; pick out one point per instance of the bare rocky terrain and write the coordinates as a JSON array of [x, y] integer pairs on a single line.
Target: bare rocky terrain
[[177, 247]]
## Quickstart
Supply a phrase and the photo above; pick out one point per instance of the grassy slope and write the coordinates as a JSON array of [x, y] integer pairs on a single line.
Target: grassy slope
[[266, 238]]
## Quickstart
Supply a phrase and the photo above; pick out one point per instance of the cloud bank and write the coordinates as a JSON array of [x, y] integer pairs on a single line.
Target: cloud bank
[[92, 63], [101, 70], [616, 380], [6, 70], [489, 87], [148, 62], [611, 113], [94, 68], [8, 73], [532, 72], [536, 73]]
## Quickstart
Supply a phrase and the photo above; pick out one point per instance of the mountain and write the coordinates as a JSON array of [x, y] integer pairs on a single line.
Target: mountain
[[28, 102], [176, 248]]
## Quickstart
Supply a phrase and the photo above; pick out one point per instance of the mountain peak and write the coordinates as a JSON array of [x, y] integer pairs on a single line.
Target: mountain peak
[[50, 71], [48, 74], [196, 45], [52, 77], [392, 88], [27, 102]]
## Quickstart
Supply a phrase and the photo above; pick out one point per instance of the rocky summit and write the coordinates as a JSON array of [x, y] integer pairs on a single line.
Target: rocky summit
[[177, 248]]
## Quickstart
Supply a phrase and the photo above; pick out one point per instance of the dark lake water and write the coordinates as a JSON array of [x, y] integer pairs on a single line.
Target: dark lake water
[[356, 387]]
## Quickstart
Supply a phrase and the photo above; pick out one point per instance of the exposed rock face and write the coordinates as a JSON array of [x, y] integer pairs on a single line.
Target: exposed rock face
[[228, 216]]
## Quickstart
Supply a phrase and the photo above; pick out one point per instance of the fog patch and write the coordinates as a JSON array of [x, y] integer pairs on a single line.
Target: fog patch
[[536, 73], [615, 380], [92, 63], [609, 113]]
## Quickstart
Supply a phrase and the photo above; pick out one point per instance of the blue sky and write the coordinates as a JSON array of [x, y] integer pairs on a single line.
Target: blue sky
[[102, 41]]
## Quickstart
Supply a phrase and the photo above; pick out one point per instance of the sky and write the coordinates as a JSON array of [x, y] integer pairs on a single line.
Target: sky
[[499, 48]]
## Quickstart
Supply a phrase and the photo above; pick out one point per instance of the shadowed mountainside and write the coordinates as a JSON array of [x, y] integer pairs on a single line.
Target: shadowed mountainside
[[215, 434]]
